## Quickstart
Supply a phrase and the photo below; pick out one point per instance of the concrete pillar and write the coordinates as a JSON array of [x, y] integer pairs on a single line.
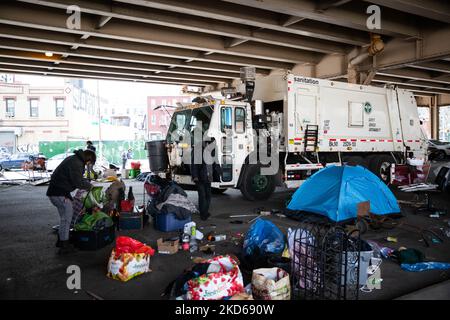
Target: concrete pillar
[[434, 114]]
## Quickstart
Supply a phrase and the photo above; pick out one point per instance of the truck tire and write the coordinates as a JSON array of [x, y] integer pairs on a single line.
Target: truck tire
[[255, 186], [381, 166], [218, 190]]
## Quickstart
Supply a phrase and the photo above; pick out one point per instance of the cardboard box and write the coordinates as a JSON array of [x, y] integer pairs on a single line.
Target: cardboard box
[[167, 247]]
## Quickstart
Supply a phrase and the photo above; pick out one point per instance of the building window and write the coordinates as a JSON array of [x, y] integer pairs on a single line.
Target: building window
[[153, 103], [113, 111], [164, 102], [153, 119], [59, 105], [444, 123], [34, 108], [10, 108], [128, 110]]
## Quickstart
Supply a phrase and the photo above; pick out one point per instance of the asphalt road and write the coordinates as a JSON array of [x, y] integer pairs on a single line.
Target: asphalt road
[[31, 269]]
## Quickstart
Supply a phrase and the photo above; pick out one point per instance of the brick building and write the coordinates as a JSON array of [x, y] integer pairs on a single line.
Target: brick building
[[159, 120]]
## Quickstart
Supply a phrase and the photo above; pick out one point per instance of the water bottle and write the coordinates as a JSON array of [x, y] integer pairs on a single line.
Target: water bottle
[[193, 246]]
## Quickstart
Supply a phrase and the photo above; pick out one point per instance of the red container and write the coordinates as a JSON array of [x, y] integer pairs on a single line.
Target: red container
[[136, 165], [126, 205]]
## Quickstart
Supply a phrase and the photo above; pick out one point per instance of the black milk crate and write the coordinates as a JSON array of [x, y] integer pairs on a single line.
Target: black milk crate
[[131, 221], [93, 240], [325, 262]]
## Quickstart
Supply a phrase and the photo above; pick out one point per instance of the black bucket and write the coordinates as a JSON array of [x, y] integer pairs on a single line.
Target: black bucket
[[157, 155]]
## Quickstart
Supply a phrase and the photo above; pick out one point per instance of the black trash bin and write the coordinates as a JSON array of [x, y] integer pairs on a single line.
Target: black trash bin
[[157, 155]]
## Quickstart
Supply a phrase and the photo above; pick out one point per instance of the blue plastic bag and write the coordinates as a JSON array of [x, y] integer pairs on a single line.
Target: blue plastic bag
[[265, 236], [423, 266]]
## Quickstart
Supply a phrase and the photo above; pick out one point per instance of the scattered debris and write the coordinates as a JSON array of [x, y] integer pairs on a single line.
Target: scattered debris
[[392, 239]]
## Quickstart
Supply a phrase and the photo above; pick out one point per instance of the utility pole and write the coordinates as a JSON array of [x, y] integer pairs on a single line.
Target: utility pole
[[99, 121]]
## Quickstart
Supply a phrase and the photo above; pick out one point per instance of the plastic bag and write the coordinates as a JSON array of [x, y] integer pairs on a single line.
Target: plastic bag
[[423, 266], [226, 281], [96, 221], [94, 198], [127, 266], [129, 259], [130, 245], [264, 236], [271, 284]]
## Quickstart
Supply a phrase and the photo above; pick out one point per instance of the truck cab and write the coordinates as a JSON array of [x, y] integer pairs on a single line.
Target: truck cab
[[226, 123]]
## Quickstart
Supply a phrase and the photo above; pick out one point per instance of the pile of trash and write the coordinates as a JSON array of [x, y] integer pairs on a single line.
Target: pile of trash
[[220, 277], [167, 197]]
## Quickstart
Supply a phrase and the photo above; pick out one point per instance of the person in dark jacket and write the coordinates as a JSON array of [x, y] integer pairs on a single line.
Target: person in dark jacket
[[202, 175], [67, 177], [90, 146]]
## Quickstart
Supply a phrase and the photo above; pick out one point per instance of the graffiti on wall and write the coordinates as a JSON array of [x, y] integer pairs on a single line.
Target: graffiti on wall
[[28, 148]]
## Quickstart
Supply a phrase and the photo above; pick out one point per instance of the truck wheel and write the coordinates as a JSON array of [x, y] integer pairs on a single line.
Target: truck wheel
[[218, 190], [256, 186], [381, 166]]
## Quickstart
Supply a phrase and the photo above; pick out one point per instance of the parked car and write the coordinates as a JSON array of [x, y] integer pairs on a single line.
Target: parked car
[[52, 163], [438, 150], [15, 161]]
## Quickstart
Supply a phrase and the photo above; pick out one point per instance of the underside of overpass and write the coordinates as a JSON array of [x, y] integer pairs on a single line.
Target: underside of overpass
[[205, 43]]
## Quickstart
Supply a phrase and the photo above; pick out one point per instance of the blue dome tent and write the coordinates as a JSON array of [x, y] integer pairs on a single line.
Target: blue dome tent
[[336, 191]]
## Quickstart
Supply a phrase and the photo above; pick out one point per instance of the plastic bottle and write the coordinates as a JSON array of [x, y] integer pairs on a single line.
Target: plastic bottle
[[193, 246], [219, 237], [130, 194]]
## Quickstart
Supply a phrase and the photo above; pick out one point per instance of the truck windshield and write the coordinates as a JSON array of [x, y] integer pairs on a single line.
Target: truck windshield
[[186, 120]]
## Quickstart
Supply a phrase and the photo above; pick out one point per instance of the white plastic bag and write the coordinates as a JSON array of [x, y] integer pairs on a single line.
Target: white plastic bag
[[271, 284]]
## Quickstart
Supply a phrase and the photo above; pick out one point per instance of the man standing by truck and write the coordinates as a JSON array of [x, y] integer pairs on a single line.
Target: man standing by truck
[[204, 168], [67, 177]]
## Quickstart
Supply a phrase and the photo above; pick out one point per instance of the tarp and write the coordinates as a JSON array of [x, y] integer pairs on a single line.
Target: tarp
[[336, 191]]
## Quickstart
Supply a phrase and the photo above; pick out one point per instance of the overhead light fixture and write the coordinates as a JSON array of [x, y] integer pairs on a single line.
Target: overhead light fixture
[[49, 54]]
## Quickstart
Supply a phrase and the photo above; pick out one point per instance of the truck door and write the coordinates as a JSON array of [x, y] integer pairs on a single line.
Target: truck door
[[305, 112], [234, 140], [413, 136]]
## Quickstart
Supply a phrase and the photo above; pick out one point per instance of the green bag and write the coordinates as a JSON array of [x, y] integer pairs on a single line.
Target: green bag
[[94, 198], [90, 221]]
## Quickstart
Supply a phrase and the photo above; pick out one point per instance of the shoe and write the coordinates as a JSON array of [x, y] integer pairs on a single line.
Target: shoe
[[66, 247]]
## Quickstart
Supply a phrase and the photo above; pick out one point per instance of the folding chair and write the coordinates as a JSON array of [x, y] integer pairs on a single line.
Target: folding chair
[[441, 184]]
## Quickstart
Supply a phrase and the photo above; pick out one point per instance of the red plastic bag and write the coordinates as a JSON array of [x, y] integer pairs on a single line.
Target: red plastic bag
[[130, 245]]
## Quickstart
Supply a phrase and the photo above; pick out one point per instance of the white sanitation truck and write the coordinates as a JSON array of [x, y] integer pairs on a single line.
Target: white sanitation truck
[[308, 124]]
